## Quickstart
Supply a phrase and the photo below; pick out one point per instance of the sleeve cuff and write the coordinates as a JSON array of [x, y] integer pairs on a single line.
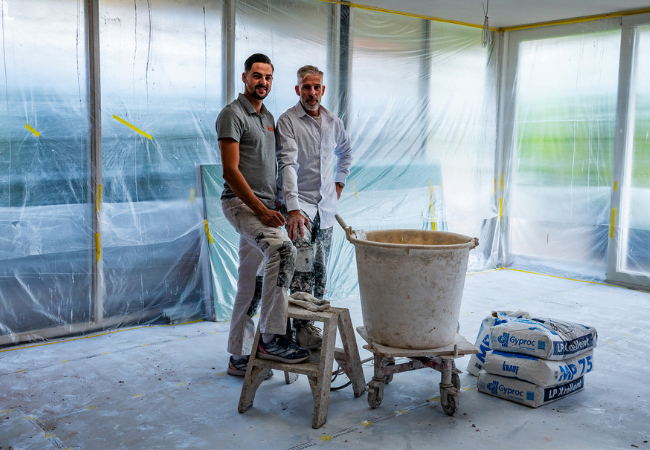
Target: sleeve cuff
[[292, 204], [340, 178]]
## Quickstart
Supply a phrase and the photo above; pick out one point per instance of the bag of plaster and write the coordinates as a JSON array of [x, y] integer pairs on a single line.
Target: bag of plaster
[[476, 362], [543, 338], [541, 372], [523, 392]]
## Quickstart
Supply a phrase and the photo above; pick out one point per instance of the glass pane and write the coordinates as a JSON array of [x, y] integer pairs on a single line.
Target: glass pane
[[636, 222], [161, 73], [561, 184], [45, 216]]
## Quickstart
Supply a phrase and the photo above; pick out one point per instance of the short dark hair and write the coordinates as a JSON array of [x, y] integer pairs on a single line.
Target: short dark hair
[[257, 58]]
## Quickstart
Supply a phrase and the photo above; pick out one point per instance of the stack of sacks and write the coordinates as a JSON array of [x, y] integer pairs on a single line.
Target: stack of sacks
[[537, 361], [476, 362]]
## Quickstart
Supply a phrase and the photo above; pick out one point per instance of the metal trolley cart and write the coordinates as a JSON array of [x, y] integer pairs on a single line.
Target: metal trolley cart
[[440, 359]]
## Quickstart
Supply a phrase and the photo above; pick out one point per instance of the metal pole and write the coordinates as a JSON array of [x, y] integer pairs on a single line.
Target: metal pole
[[228, 50], [95, 144], [345, 61]]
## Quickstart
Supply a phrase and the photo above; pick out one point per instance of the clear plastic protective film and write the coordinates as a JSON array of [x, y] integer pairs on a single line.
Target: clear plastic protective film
[[46, 237], [161, 91], [559, 194], [420, 107], [422, 120]]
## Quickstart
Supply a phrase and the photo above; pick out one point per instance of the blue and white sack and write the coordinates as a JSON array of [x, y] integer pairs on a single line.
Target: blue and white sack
[[538, 371], [528, 394], [543, 338], [477, 361]]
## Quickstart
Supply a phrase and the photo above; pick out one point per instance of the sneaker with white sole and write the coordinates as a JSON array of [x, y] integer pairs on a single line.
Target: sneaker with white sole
[[283, 350], [307, 335], [237, 367]]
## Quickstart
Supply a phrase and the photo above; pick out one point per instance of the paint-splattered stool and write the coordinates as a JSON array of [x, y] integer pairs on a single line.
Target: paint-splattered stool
[[440, 359], [319, 366]]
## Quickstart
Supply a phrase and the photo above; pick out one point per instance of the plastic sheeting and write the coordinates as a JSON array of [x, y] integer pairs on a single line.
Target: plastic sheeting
[[419, 99], [45, 211], [561, 180], [636, 225]]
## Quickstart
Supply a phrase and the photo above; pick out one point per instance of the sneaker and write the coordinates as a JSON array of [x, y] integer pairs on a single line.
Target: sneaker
[[307, 335], [237, 367], [283, 350]]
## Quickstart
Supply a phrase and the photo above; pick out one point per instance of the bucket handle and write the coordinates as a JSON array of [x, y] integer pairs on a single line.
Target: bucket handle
[[474, 242], [348, 230]]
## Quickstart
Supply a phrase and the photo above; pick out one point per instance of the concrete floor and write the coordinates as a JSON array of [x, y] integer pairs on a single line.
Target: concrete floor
[[166, 387]]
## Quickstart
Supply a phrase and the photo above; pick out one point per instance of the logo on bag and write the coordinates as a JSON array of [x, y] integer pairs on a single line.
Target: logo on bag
[[510, 368], [503, 339], [493, 387]]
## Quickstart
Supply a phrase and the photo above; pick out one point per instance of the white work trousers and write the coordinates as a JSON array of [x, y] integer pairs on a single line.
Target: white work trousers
[[256, 242]]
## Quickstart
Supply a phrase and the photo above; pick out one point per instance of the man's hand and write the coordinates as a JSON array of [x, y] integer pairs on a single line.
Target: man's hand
[[339, 189], [271, 218], [296, 223]]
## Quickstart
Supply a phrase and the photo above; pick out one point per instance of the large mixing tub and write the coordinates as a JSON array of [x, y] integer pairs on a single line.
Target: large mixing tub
[[411, 284]]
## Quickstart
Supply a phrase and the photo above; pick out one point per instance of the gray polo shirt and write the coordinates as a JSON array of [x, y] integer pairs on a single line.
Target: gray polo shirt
[[256, 137]]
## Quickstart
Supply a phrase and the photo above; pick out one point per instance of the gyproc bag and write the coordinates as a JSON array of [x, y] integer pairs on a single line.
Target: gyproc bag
[[538, 371], [543, 338], [528, 394], [476, 362]]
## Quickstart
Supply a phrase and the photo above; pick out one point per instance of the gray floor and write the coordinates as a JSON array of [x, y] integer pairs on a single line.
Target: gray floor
[[165, 387]]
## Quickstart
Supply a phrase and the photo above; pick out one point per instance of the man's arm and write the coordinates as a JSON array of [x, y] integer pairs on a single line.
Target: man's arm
[[287, 154], [231, 174], [343, 152]]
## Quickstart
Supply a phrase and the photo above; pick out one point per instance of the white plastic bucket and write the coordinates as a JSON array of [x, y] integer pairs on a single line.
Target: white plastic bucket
[[411, 284]]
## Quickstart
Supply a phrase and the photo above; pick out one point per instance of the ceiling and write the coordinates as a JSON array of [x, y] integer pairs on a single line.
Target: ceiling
[[508, 13]]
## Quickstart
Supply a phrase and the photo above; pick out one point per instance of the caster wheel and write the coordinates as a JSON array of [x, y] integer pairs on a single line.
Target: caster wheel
[[449, 403], [455, 381], [375, 394]]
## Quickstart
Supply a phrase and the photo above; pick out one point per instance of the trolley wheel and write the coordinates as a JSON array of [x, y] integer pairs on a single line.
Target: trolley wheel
[[455, 381], [389, 362], [375, 393], [449, 402]]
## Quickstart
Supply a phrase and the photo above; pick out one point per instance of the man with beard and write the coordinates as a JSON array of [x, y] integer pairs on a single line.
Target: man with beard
[[247, 143], [308, 139]]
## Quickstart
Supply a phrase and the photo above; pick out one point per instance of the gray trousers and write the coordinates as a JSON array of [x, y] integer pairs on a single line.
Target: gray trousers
[[312, 254], [258, 242]]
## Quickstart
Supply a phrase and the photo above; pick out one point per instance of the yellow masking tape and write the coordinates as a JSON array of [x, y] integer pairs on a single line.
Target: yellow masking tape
[[144, 345], [500, 207], [615, 185], [119, 119], [325, 438], [65, 361], [433, 222], [220, 374], [36, 133], [501, 182], [181, 384], [435, 399], [402, 411], [365, 423], [354, 188], [20, 371], [97, 247], [50, 435], [207, 231], [611, 227], [400, 13], [138, 395], [90, 407], [107, 353], [99, 198], [6, 411], [192, 194]]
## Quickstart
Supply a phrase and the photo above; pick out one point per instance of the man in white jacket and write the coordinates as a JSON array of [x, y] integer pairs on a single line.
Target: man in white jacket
[[309, 140]]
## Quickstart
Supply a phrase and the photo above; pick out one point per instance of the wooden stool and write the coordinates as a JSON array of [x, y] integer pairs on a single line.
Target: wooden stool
[[319, 366]]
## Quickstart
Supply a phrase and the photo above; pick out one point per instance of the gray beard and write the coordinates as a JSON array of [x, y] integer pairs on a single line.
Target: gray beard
[[308, 107]]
